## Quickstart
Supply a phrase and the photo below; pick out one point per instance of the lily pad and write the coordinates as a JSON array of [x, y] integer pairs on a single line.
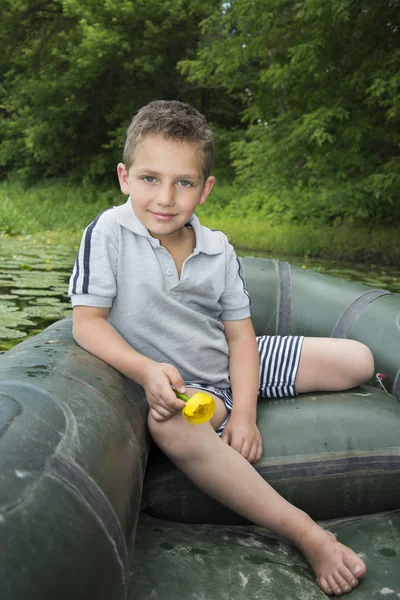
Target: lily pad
[[47, 312], [34, 292], [6, 297], [37, 285], [16, 319], [11, 334], [11, 308], [5, 304], [45, 301]]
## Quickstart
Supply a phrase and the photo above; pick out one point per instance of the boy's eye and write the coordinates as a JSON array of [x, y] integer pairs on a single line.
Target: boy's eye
[[149, 178], [185, 183]]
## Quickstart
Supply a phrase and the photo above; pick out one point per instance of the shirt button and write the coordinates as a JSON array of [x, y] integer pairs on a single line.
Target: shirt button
[[169, 271]]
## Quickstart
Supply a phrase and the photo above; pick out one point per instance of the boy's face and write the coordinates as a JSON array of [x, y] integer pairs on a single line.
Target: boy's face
[[165, 182]]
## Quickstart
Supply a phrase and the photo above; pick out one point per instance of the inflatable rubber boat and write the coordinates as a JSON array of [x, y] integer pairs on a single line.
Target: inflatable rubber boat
[[91, 510]]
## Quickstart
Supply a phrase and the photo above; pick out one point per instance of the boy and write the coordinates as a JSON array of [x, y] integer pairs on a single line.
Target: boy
[[163, 300]]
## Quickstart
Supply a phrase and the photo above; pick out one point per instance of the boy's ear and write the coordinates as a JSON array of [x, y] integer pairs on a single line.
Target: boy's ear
[[207, 187], [123, 178]]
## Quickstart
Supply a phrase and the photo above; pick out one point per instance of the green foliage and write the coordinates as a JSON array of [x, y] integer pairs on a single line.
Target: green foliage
[[13, 220], [223, 139], [73, 73], [304, 97], [57, 212], [344, 242], [320, 83], [52, 206]]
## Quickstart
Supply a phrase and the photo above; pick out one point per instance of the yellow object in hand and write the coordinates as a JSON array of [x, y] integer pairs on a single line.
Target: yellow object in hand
[[199, 408]]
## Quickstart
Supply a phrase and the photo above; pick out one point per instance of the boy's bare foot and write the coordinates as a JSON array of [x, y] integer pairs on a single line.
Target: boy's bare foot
[[336, 567]]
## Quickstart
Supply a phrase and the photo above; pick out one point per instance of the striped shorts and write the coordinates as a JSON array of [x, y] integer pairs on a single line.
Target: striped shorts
[[279, 361]]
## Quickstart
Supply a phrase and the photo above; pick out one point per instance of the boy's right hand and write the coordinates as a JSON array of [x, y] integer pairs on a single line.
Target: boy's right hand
[[160, 396]]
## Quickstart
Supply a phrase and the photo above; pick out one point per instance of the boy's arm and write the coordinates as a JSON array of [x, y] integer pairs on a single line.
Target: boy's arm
[[93, 332], [241, 431]]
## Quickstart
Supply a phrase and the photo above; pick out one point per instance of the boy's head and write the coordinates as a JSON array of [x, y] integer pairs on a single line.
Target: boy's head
[[174, 120]]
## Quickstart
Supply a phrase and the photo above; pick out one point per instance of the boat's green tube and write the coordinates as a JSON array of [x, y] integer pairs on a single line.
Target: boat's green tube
[[73, 449], [74, 442], [288, 300]]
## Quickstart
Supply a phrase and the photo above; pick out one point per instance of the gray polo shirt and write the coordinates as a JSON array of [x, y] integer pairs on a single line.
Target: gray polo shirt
[[120, 266]]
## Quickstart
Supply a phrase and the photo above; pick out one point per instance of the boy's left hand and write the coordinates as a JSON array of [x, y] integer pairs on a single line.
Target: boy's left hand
[[242, 434]]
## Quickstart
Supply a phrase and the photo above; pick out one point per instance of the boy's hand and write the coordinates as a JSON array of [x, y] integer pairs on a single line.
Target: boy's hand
[[242, 434], [162, 400]]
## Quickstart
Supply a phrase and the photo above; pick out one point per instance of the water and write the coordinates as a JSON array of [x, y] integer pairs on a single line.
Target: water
[[34, 274]]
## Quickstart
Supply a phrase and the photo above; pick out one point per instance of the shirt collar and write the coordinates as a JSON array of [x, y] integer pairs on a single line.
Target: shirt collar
[[207, 241], [127, 218]]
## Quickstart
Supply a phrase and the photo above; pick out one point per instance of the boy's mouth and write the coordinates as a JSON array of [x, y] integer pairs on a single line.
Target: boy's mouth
[[163, 216]]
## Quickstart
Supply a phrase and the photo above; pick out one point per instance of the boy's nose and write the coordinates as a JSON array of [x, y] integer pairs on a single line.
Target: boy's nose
[[166, 196]]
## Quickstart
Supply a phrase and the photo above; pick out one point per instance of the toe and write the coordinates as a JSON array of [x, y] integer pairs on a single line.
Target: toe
[[325, 587], [342, 583], [355, 564], [348, 576], [336, 589]]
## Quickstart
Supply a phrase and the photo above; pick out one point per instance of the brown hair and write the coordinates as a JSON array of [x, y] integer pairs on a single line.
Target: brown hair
[[174, 120]]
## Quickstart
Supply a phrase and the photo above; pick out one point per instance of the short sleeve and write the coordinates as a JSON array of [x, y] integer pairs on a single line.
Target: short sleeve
[[93, 279], [235, 300]]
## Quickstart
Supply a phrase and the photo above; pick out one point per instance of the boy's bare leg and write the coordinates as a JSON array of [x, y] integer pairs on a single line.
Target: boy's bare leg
[[225, 475], [329, 364]]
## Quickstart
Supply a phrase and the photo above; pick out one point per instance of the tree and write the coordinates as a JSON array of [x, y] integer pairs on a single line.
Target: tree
[[73, 72], [321, 86]]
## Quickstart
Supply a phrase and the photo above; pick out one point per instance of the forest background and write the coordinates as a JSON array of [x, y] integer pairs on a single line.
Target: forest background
[[303, 97]]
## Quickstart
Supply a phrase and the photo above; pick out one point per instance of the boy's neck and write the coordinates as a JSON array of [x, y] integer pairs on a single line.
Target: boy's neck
[[177, 239], [180, 246]]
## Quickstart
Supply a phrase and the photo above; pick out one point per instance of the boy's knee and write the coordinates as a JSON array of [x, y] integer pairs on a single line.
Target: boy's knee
[[364, 363]]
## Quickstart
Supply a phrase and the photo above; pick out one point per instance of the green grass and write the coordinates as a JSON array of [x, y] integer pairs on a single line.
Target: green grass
[[53, 206], [64, 210], [339, 243]]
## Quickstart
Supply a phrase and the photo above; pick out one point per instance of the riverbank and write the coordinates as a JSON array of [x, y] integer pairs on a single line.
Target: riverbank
[[65, 210]]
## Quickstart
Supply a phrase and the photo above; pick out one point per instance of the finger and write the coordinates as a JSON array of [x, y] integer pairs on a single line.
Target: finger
[[161, 409], [237, 444], [252, 454], [246, 449], [256, 451], [259, 452], [226, 436], [175, 378], [171, 402], [166, 399], [164, 414], [157, 416]]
